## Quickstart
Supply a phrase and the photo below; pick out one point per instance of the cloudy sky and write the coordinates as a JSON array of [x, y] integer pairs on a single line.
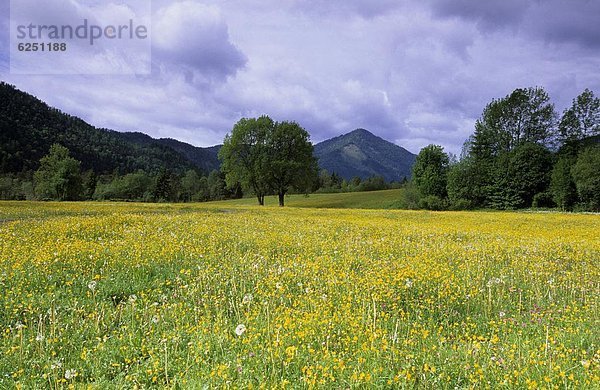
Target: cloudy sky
[[413, 72]]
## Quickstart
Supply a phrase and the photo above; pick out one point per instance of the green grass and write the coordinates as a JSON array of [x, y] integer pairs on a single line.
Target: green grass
[[350, 200], [123, 296]]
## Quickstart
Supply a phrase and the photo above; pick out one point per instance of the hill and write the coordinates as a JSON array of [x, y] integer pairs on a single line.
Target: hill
[[28, 127], [363, 154]]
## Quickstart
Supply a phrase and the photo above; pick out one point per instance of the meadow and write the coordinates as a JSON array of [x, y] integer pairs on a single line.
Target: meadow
[[228, 295]]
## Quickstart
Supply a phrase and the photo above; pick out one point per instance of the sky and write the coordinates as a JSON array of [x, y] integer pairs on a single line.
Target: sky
[[412, 72]]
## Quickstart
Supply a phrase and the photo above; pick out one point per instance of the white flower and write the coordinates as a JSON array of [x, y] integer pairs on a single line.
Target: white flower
[[502, 314], [409, 283], [241, 328], [155, 319], [247, 299], [39, 337], [92, 285], [70, 374], [278, 285], [56, 364], [132, 298]]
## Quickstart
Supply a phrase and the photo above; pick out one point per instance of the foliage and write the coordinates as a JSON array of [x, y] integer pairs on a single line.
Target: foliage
[[290, 159], [244, 155], [432, 202], [526, 115], [28, 127], [266, 156], [59, 176], [587, 178], [430, 172], [465, 184], [562, 186], [582, 119]]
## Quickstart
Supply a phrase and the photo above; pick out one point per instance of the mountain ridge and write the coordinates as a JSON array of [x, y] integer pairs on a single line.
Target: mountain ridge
[[29, 126], [361, 153]]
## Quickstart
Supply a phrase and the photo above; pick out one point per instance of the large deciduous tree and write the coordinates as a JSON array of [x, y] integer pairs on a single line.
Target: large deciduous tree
[[291, 160], [267, 156], [244, 155], [526, 115], [582, 119]]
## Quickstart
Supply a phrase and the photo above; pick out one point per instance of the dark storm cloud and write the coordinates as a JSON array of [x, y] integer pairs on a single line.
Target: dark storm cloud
[[566, 21], [560, 21]]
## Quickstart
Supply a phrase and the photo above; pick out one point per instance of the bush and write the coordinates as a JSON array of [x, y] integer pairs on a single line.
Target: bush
[[432, 202], [461, 204], [543, 200]]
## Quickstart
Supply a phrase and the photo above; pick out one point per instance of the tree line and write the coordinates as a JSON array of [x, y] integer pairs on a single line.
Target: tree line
[[522, 154]]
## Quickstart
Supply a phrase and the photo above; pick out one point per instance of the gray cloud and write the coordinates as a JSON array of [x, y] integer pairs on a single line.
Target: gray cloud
[[195, 36], [412, 72], [488, 14]]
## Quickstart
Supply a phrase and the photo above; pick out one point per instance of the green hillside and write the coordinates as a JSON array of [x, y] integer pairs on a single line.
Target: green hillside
[[363, 154]]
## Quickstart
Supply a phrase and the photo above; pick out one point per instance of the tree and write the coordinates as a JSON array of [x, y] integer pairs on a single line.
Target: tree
[[582, 119], [464, 189], [529, 171], [216, 185], [562, 186], [244, 155], [190, 185], [586, 177], [59, 175], [291, 161], [266, 156], [430, 172], [526, 115], [165, 187]]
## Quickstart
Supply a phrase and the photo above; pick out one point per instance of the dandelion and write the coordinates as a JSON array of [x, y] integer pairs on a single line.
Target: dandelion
[[70, 374], [92, 285], [247, 299], [240, 329]]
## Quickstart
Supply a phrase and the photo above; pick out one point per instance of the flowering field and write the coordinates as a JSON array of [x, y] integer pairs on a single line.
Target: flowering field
[[203, 296]]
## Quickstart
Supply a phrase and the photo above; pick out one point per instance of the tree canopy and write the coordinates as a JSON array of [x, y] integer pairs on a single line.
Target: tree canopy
[[59, 176], [267, 156]]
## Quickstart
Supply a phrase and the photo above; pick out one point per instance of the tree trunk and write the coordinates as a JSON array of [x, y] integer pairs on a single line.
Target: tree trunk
[[281, 199], [261, 200]]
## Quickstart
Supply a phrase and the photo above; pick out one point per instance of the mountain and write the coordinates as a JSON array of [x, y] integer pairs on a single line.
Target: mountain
[[363, 154], [28, 127]]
